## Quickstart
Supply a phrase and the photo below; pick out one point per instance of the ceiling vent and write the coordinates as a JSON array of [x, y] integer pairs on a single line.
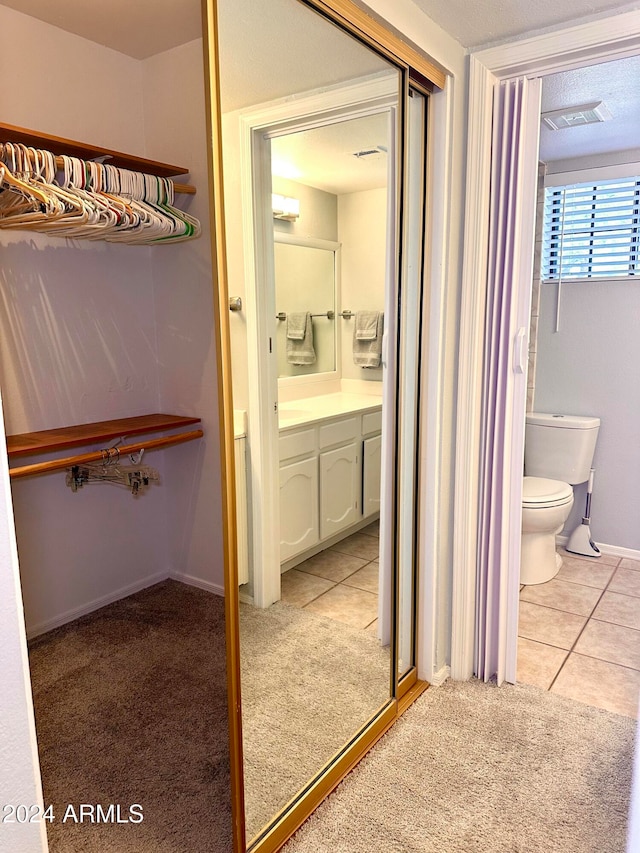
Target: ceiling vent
[[370, 152], [576, 116]]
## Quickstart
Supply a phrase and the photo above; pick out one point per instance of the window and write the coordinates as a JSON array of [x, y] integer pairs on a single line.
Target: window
[[592, 230]]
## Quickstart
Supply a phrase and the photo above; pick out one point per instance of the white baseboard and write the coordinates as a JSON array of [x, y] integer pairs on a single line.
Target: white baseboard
[[96, 604], [439, 677], [612, 550], [190, 580]]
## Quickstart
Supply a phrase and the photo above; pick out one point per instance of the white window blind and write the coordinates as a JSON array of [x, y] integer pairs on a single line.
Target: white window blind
[[592, 230]]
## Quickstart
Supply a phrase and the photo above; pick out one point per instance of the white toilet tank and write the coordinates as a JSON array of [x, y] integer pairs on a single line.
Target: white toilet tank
[[560, 447]]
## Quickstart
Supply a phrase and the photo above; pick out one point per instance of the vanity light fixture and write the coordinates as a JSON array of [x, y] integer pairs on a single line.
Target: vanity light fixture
[[285, 207]]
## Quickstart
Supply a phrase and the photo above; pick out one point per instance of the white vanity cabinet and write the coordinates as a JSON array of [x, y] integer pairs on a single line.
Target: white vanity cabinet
[[298, 507], [299, 492], [339, 492], [329, 479]]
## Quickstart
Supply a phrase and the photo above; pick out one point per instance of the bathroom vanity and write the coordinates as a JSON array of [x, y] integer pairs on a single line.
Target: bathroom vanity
[[330, 452]]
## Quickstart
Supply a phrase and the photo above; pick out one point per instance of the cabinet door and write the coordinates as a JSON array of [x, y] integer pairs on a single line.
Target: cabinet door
[[298, 507], [371, 466], [339, 488]]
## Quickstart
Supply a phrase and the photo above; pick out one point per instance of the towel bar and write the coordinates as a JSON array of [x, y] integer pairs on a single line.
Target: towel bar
[[328, 314]]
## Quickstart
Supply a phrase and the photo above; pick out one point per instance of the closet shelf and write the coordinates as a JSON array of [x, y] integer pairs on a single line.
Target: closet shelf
[[49, 440], [59, 145]]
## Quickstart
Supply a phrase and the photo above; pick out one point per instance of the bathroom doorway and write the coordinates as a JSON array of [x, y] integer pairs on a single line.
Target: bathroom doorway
[[490, 69], [345, 223], [574, 631]]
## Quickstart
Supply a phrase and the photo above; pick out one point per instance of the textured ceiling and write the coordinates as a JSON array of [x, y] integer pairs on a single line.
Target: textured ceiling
[[615, 83], [325, 156], [482, 22]]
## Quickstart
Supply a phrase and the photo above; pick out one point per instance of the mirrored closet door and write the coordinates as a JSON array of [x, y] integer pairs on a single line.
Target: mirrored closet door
[[319, 140]]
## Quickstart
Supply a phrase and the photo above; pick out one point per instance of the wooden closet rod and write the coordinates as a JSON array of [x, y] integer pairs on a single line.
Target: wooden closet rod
[[98, 455]]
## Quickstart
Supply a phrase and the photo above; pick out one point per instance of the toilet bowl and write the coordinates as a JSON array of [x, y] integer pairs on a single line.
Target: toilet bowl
[[546, 505]]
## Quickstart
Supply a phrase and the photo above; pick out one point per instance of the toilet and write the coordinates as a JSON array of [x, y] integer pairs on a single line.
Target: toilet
[[558, 454]]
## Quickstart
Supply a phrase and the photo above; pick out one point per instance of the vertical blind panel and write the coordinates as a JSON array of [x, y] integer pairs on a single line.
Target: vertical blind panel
[[592, 230]]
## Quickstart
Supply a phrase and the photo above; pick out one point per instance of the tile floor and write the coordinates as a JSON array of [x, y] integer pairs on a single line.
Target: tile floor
[[579, 634], [341, 582]]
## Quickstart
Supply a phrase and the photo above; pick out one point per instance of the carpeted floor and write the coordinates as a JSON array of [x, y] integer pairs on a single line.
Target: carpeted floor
[[308, 684], [472, 768], [131, 707]]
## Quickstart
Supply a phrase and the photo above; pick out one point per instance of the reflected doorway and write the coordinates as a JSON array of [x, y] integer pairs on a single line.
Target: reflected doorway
[[328, 579]]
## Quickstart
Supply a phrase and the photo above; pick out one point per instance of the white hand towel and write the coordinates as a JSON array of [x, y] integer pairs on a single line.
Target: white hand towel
[[366, 327], [300, 349], [296, 325], [367, 351]]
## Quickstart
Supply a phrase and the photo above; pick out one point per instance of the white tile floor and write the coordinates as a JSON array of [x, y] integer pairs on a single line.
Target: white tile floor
[[579, 634], [341, 582]]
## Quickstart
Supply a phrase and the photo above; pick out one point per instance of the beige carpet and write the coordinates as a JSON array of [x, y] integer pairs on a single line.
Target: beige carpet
[[472, 768], [131, 707], [308, 684]]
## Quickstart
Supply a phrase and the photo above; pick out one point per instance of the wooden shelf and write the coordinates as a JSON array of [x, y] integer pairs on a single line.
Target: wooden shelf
[[85, 151], [49, 440]]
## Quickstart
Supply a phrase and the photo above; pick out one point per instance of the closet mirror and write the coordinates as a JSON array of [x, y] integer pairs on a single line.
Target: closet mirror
[[320, 121]]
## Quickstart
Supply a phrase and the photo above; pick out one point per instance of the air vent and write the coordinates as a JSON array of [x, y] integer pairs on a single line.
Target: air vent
[[370, 152], [576, 116]]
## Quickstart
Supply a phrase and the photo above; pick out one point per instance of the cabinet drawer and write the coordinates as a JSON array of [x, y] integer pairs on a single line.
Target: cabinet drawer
[[338, 432], [296, 444], [371, 423]]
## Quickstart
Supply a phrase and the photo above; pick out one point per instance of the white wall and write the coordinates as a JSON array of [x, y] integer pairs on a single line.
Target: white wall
[[77, 339], [184, 291], [362, 226], [590, 367], [318, 211], [61, 84]]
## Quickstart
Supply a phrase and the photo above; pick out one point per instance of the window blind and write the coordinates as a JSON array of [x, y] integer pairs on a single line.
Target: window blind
[[592, 230]]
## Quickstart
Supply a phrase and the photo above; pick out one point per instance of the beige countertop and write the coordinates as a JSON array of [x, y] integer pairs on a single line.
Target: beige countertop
[[312, 409]]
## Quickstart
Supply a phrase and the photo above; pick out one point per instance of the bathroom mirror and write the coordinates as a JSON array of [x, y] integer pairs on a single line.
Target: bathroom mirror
[[306, 280]]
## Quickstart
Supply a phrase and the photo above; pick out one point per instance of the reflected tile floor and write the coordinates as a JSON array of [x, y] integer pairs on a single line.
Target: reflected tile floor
[[579, 634], [341, 582]]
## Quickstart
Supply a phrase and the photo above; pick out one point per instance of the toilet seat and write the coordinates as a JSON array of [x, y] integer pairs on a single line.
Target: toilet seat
[[540, 492]]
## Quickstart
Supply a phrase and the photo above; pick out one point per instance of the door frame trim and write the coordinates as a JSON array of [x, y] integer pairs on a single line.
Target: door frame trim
[[616, 37], [256, 126]]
